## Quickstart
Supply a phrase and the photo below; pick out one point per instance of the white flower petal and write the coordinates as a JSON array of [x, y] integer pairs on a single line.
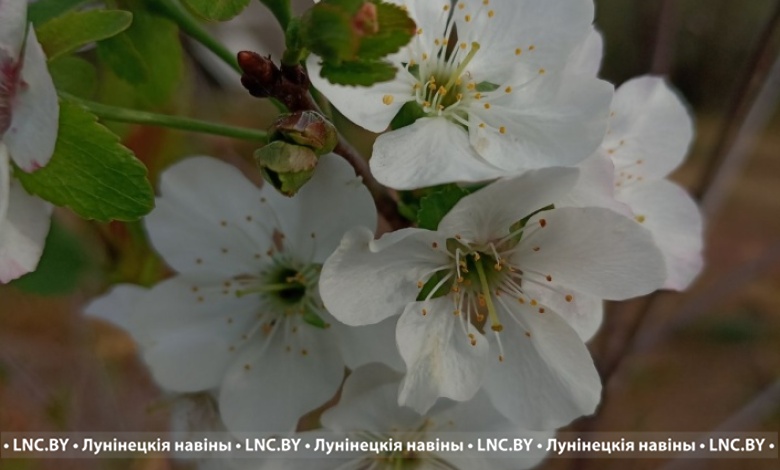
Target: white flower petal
[[367, 281], [369, 403], [586, 58], [546, 379], [676, 224], [334, 201], [429, 152], [23, 232], [117, 306], [369, 107], [5, 182], [595, 186], [594, 251], [545, 32], [272, 383], [188, 328], [550, 121], [211, 219], [440, 359], [582, 312], [35, 113], [650, 130], [13, 24], [488, 213], [370, 343]]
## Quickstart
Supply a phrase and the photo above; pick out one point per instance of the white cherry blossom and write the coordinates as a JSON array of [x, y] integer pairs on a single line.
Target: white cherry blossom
[[243, 314], [502, 101], [29, 116], [368, 410], [649, 135], [485, 301]]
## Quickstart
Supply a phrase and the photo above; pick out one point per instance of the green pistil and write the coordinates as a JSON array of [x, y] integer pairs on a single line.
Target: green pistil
[[270, 288], [495, 324], [459, 71]]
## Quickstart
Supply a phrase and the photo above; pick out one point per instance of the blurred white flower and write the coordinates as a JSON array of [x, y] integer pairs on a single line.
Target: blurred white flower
[[368, 411], [485, 300], [649, 134], [500, 100], [243, 315], [29, 117]]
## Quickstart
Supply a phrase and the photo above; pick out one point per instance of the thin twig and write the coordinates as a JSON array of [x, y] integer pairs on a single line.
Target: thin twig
[[754, 75]]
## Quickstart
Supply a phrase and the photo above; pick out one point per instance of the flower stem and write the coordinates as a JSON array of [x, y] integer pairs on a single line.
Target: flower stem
[[117, 114], [174, 10]]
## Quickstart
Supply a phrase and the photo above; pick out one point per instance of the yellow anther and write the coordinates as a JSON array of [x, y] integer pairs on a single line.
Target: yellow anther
[[502, 130], [518, 51], [491, 14], [640, 219], [388, 99]]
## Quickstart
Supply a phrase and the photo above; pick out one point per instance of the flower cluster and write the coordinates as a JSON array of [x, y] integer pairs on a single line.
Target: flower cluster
[[478, 325], [28, 131]]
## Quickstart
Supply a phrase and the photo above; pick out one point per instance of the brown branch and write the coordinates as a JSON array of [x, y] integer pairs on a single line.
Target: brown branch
[[751, 80]]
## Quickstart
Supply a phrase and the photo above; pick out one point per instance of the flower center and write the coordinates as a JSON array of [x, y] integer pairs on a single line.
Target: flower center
[[486, 284], [289, 288], [439, 85]]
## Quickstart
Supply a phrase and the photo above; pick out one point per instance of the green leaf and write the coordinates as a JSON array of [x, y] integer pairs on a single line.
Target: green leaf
[[358, 73], [124, 59], [217, 10], [326, 30], [74, 75], [395, 31], [91, 172], [45, 10], [437, 204], [63, 264], [67, 33], [147, 56], [281, 9]]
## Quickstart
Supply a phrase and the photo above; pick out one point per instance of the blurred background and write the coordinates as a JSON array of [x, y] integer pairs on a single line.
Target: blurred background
[[703, 360]]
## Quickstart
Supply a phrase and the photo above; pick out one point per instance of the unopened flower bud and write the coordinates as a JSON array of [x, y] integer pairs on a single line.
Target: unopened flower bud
[[260, 75], [286, 166], [306, 128]]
